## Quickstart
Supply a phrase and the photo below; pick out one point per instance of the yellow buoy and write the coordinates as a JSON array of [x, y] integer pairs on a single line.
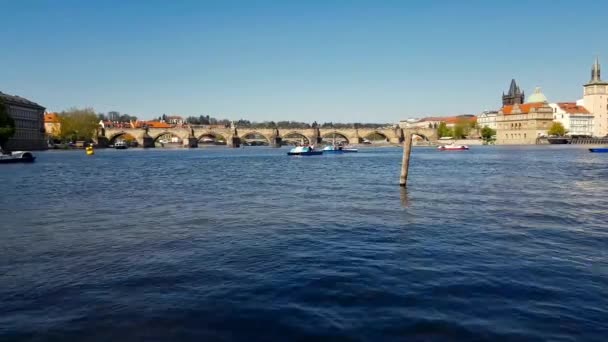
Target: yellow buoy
[[90, 151]]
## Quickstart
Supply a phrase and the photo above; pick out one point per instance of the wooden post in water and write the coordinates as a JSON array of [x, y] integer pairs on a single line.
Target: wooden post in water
[[405, 163]]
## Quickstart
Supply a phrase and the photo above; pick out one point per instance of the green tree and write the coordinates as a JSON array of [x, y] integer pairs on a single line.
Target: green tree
[[462, 128], [443, 130], [557, 129], [487, 133], [78, 124], [7, 127]]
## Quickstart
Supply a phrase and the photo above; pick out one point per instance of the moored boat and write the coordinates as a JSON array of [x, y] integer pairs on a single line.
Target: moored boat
[[453, 147], [303, 151], [338, 149], [120, 145], [17, 157], [599, 149], [559, 140]]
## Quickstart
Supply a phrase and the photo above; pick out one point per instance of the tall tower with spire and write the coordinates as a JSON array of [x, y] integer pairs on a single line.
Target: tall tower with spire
[[596, 100], [515, 95]]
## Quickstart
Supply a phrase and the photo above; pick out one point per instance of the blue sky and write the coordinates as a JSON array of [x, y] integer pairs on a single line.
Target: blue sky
[[364, 61]]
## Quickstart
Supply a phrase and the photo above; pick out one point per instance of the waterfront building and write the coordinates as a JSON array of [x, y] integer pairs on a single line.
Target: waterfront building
[[514, 96], [434, 121], [174, 120], [29, 123], [523, 124], [52, 125], [487, 119], [576, 119], [596, 100]]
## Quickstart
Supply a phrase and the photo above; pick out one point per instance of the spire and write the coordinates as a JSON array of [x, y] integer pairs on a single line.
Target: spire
[[596, 71], [513, 88]]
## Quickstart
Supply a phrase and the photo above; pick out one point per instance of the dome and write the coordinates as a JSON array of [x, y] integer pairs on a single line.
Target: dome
[[537, 96]]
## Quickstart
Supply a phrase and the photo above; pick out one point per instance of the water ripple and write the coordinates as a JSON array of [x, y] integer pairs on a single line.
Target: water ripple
[[216, 244]]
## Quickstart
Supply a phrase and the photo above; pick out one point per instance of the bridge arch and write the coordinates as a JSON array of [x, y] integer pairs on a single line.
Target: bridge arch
[[254, 135], [295, 136], [421, 135], [217, 137], [376, 136], [330, 135], [123, 135], [168, 137]]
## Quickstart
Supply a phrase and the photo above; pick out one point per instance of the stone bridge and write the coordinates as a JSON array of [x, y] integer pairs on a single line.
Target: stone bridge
[[191, 135]]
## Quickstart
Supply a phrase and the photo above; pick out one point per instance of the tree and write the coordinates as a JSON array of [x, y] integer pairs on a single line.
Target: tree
[[7, 127], [78, 124], [193, 120], [557, 129], [487, 133], [443, 130], [462, 128]]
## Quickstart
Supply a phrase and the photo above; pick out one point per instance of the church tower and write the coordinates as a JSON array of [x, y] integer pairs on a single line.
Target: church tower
[[596, 100], [515, 95]]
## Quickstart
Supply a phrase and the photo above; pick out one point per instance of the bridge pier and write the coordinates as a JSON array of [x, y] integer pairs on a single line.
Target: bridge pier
[[192, 142], [147, 142], [276, 141], [234, 142], [102, 142]]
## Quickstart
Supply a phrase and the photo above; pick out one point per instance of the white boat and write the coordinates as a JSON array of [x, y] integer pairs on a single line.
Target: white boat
[[121, 145], [17, 157], [453, 147], [338, 149], [304, 151]]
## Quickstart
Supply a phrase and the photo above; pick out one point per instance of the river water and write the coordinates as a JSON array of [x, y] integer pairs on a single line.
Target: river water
[[497, 243]]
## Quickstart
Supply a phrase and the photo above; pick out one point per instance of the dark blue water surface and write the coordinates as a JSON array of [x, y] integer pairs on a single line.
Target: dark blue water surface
[[491, 244]]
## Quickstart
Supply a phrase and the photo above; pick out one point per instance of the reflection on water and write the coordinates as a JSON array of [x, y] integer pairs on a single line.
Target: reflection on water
[[497, 243], [405, 200]]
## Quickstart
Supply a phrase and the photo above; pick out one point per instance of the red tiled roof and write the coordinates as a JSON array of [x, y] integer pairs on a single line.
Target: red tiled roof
[[523, 108], [572, 108], [51, 117], [153, 124]]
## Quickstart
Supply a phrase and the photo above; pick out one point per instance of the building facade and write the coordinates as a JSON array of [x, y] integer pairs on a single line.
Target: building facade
[[29, 123], [514, 96], [52, 125], [524, 124], [596, 100], [487, 119], [175, 120], [576, 119]]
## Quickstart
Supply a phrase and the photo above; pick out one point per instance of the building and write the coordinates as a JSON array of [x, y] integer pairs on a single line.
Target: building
[[487, 119], [576, 119], [434, 121], [522, 124], [515, 95], [174, 120], [596, 100], [29, 123], [52, 125], [452, 121]]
